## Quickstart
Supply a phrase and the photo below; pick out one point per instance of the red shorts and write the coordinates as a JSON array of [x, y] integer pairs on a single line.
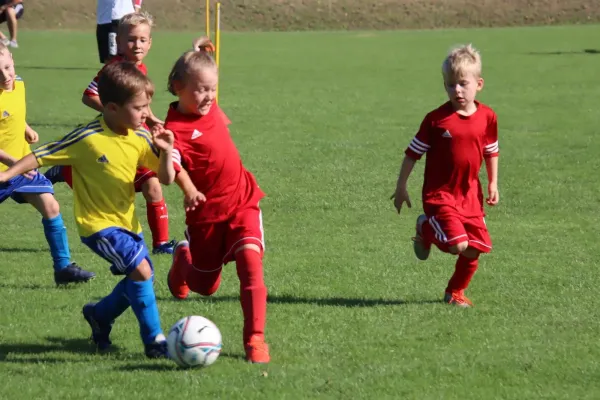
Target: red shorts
[[141, 176], [213, 245], [451, 229]]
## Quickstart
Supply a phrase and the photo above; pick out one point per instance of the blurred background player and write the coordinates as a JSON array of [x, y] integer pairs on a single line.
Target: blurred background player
[[108, 15], [10, 12], [104, 197], [35, 189], [134, 43], [226, 225], [457, 137]]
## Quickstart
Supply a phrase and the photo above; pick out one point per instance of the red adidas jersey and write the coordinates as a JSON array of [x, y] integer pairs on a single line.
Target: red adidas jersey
[[456, 146], [92, 89], [205, 149]]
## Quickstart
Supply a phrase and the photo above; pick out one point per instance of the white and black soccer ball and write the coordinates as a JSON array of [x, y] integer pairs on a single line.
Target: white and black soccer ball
[[194, 341]]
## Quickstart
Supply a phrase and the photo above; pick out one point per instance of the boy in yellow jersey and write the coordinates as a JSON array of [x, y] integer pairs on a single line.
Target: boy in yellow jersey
[[35, 189], [104, 156]]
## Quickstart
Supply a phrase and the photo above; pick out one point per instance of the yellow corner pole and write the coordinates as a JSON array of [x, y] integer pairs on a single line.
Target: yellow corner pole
[[218, 40], [207, 12]]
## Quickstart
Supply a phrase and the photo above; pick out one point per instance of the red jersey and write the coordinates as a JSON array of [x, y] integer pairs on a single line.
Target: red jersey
[[456, 146], [205, 149], [92, 89]]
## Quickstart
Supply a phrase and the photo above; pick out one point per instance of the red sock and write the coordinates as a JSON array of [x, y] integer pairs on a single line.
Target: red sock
[[158, 220], [253, 292], [464, 271]]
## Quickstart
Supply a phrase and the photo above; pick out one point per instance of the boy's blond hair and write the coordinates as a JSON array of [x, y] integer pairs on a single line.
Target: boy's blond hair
[[134, 19], [121, 81], [189, 63], [462, 60]]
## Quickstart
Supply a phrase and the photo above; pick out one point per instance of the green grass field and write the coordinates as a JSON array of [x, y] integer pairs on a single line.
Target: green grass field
[[322, 119]]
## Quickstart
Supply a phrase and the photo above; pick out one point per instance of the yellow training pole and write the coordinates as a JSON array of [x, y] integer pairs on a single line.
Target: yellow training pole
[[218, 40], [207, 12]]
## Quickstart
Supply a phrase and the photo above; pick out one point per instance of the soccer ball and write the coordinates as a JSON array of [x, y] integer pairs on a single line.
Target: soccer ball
[[194, 342]]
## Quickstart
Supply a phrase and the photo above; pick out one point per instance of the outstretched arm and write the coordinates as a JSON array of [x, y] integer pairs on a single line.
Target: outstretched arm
[[491, 165], [401, 195], [22, 166], [191, 196], [6, 158], [163, 139]]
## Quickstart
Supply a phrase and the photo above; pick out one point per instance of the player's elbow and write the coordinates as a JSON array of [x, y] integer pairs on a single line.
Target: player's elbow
[[85, 100], [166, 177]]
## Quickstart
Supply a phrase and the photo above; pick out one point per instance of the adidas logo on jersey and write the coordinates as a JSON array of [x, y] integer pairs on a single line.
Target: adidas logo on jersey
[[196, 134], [102, 159], [447, 134], [5, 114]]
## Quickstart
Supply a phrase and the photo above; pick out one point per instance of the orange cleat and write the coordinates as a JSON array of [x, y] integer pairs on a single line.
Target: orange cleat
[[458, 298], [257, 351], [176, 281]]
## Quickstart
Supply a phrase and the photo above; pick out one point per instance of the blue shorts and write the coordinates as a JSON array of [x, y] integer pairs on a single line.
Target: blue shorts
[[19, 185], [125, 250]]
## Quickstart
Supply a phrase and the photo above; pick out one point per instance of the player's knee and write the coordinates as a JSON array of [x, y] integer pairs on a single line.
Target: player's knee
[[471, 253], [208, 291], [152, 190], [459, 247], [143, 272], [10, 12], [203, 289], [50, 208]]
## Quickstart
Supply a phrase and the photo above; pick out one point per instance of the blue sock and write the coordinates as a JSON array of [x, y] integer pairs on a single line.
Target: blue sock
[[56, 236], [143, 303], [109, 308]]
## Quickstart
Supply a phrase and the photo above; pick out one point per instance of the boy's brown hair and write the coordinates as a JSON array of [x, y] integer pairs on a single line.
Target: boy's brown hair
[[119, 82]]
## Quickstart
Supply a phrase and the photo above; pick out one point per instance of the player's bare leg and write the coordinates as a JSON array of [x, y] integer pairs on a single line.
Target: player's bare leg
[[253, 298], [55, 231], [466, 265], [11, 21]]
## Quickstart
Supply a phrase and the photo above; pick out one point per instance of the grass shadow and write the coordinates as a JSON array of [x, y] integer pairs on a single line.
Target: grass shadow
[[22, 250], [36, 286], [172, 366], [234, 356], [57, 344], [149, 367], [561, 52], [25, 286], [331, 301], [58, 68]]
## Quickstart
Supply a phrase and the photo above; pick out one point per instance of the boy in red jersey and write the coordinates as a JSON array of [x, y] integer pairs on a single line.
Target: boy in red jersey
[[457, 137], [134, 41], [223, 218]]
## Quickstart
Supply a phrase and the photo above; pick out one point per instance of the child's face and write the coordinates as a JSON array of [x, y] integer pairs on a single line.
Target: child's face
[[7, 71], [462, 89], [136, 43], [133, 114], [197, 95]]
